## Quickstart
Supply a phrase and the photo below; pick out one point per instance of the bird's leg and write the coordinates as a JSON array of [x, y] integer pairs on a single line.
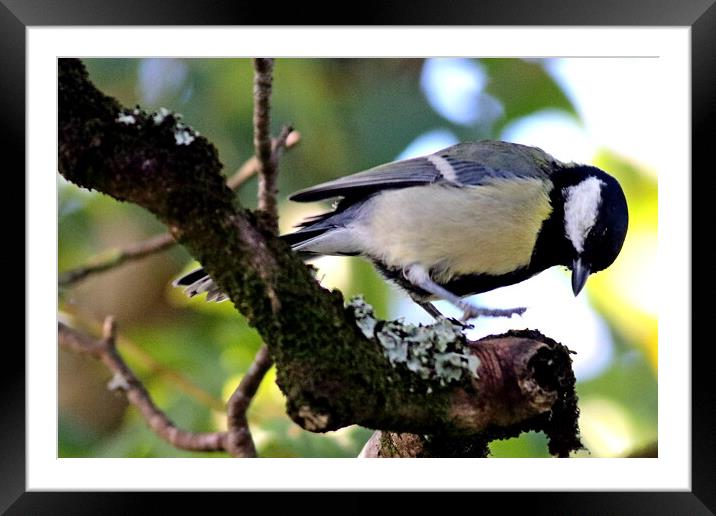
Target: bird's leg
[[430, 308], [438, 316], [418, 276]]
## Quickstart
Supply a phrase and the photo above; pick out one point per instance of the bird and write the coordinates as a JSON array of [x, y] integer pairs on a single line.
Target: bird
[[464, 220]]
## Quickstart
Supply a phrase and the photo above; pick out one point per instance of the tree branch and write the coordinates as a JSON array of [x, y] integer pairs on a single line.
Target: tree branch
[[239, 440], [181, 382], [287, 139], [263, 77], [111, 259], [334, 370], [524, 383], [267, 155], [236, 440], [124, 379]]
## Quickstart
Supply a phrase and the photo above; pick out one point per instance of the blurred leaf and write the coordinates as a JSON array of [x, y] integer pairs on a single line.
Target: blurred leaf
[[75, 439], [630, 383], [523, 87], [531, 444]]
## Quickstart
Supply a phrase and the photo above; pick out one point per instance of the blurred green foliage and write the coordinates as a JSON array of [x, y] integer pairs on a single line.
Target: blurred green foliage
[[352, 114]]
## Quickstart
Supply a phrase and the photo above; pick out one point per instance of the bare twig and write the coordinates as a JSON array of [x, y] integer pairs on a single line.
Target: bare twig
[[111, 259], [133, 351], [124, 379], [288, 139], [265, 161], [133, 251], [263, 77], [239, 441]]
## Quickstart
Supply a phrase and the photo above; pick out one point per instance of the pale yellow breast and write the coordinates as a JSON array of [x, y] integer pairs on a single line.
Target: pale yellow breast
[[485, 229]]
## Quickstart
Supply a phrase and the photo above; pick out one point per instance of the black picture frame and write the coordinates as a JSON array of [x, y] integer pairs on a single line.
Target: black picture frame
[[700, 15]]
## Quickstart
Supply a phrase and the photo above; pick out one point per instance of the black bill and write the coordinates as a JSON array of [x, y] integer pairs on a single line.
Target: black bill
[[580, 273]]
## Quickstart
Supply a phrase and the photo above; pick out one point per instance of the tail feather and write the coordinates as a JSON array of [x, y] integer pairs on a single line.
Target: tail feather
[[198, 281], [298, 239], [190, 278], [317, 237]]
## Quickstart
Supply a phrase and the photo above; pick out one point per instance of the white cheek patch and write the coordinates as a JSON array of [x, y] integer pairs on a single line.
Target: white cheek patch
[[580, 210], [444, 167]]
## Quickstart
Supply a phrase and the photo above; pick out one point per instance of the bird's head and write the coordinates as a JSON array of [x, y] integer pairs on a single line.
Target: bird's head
[[595, 221]]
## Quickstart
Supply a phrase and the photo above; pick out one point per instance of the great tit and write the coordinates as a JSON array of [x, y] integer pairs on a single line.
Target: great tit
[[467, 219]]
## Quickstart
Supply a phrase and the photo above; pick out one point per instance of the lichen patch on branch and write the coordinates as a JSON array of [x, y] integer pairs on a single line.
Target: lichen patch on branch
[[435, 352], [183, 133], [126, 119]]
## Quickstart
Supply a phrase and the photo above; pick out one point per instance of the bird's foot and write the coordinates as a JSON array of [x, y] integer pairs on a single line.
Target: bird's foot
[[471, 311]]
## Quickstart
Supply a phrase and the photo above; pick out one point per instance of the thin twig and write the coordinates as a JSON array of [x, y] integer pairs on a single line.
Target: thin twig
[[267, 155], [133, 251], [124, 379], [133, 351], [288, 139], [111, 259], [239, 441], [263, 77]]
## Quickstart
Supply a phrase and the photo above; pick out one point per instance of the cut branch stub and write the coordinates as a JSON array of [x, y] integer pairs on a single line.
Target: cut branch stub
[[525, 383], [507, 390]]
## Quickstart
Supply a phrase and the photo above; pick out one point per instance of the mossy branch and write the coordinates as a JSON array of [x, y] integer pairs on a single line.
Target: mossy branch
[[332, 374], [111, 258]]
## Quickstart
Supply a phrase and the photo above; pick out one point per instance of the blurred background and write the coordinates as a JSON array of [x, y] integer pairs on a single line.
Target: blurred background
[[354, 114]]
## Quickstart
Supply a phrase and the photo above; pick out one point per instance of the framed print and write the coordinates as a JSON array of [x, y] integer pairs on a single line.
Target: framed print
[[597, 88]]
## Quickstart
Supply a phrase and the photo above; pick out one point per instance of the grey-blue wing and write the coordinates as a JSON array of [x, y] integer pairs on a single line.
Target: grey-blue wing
[[399, 174], [504, 159], [471, 164]]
